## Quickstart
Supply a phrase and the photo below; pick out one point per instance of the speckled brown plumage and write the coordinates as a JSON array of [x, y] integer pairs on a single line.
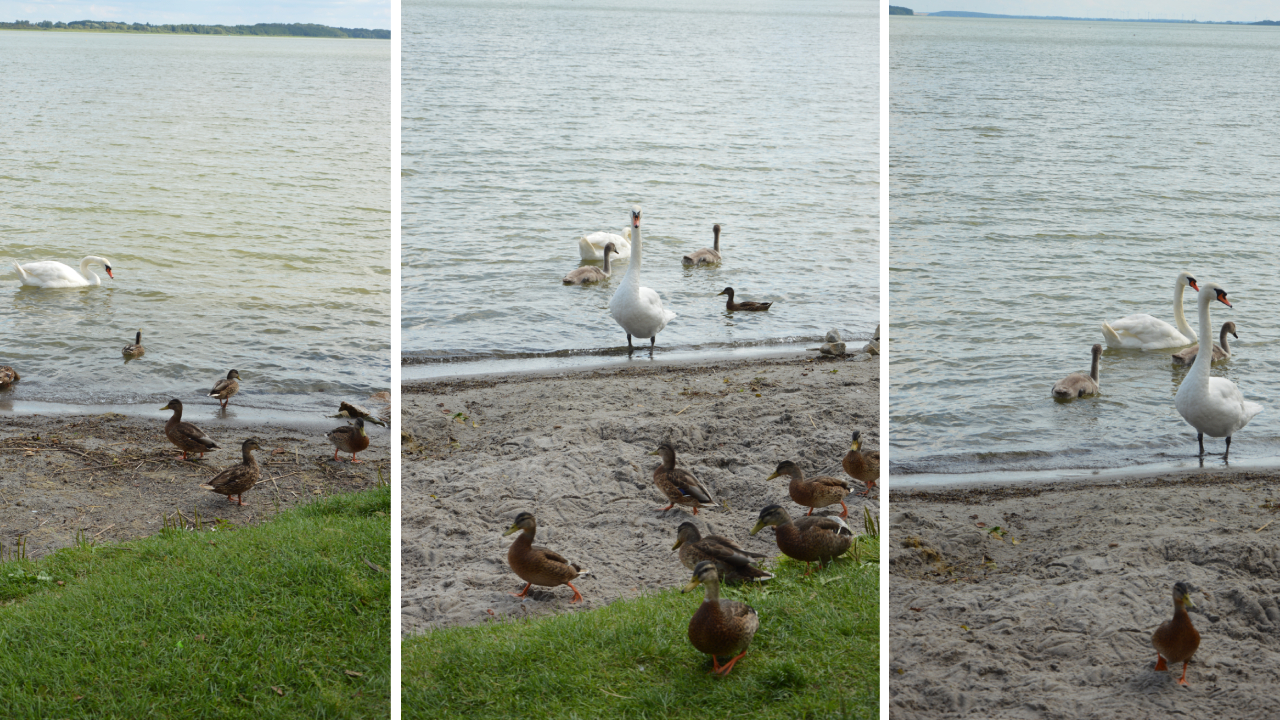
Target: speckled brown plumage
[[861, 466], [186, 436], [537, 565], [720, 628], [225, 388], [1176, 640], [733, 562], [678, 484], [813, 492], [8, 376], [237, 479], [810, 538], [349, 438]]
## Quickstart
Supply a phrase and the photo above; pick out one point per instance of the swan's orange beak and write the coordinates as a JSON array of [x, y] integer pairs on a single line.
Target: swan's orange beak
[[1193, 284], [113, 277], [1222, 298]]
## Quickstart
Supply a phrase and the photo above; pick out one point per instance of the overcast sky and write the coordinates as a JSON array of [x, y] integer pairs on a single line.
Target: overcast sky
[[1245, 10], [370, 14]]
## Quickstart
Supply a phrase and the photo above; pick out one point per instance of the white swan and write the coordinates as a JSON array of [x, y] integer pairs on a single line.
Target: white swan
[[591, 247], [1212, 405], [1145, 332], [638, 309], [53, 274]]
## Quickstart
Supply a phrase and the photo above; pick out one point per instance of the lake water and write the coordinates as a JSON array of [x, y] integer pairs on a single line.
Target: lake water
[[240, 188], [528, 125], [1047, 176]]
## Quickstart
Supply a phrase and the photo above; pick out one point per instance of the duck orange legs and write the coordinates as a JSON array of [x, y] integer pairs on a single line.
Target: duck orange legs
[[722, 671], [524, 592]]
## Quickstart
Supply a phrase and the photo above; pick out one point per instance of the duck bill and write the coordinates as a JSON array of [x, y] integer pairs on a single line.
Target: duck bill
[[655, 452], [510, 530], [759, 526], [776, 474], [678, 544], [695, 582]]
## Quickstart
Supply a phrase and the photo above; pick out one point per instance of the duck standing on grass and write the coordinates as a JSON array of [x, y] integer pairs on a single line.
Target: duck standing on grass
[[225, 388], [538, 565], [720, 628], [1176, 640], [236, 479], [813, 493], [863, 467], [186, 436], [678, 484], [733, 562], [815, 537], [349, 438]]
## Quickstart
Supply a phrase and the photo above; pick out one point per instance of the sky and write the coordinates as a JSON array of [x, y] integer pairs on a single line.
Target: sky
[[1218, 10], [369, 14]]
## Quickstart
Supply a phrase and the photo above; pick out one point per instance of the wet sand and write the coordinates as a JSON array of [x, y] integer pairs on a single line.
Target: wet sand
[[115, 477], [572, 448], [1059, 624]]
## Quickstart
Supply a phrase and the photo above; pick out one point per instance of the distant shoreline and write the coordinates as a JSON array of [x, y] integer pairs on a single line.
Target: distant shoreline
[[967, 14], [259, 30]]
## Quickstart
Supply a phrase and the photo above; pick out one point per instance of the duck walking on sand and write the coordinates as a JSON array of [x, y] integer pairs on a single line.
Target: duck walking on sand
[[1176, 640], [813, 493], [186, 436], [720, 628], [349, 438], [537, 565], [237, 479], [678, 484], [1078, 385], [862, 466]]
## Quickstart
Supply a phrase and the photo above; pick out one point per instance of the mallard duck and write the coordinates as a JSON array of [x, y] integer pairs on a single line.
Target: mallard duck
[[590, 274], [136, 349], [749, 305], [730, 559], [864, 467], [225, 388], [813, 492], [822, 538], [8, 376], [1176, 639], [349, 438], [1221, 351], [186, 436], [536, 564], [705, 256], [238, 478], [720, 628], [1078, 385], [678, 484]]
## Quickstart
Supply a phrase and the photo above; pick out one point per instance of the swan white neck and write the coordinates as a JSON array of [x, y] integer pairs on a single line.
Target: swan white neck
[[1179, 317], [635, 250], [1208, 293], [88, 274]]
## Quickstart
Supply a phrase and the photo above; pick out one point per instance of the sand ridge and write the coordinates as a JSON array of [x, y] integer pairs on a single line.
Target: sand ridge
[[573, 450]]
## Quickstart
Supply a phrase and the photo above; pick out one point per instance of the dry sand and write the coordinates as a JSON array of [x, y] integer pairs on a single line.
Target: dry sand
[[116, 477], [1059, 625], [572, 449]]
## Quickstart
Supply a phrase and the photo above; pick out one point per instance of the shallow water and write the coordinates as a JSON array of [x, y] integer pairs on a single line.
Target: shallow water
[[240, 188], [1045, 177], [522, 131]]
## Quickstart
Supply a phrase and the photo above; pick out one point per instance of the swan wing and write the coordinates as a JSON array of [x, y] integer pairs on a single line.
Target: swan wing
[[591, 247], [51, 273], [1144, 332]]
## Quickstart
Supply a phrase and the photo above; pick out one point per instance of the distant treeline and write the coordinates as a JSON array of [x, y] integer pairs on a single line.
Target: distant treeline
[[275, 29], [895, 10], [966, 14]]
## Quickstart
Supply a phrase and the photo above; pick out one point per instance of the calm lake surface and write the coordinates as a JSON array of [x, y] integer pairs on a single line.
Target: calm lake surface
[[240, 188], [1046, 177], [527, 126]]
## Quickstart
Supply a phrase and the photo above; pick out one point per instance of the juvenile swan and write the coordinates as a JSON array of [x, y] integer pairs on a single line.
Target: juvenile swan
[[1145, 332], [1077, 384], [705, 256], [589, 273], [1221, 351], [1212, 405]]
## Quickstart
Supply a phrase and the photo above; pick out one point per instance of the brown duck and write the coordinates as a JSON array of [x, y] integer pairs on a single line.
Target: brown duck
[[349, 438], [733, 562], [678, 484], [538, 565], [821, 538], [8, 376], [813, 492], [236, 479], [720, 628], [186, 436], [225, 388], [748, 305], [861, 466], [134, 349], [1176, 639]]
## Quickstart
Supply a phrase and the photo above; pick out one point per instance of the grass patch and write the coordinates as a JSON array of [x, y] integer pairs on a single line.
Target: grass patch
[[816, 655], [283, 619]]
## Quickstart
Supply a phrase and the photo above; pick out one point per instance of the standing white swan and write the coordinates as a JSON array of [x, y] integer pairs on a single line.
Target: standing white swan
[[591, 247], [1145, 332], [638, 309], [53, 274], [1212, 405]]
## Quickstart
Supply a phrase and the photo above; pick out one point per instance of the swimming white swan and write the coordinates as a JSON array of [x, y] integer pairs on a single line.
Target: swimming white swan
[[1145, 332], [591, 247], [53, 274], [1221, 351], [1078, 384], [638, 309], [1212, 405]]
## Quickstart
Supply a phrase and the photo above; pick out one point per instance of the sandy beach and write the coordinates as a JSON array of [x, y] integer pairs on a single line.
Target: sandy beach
[[1059, 624], [116, 477], [572, 448]]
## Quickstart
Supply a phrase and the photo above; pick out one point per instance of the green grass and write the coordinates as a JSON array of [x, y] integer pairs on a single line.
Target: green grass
[[816, 655], [207, 624]]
